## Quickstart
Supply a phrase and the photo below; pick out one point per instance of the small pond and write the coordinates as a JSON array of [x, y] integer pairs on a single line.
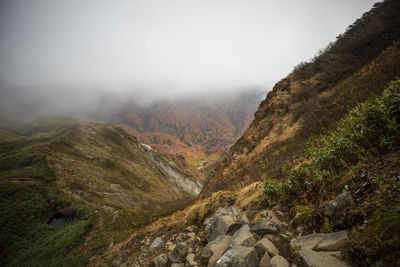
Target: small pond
[[59, 220]]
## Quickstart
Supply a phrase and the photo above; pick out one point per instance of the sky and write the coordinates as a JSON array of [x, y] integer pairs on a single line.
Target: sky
[[157, 48]]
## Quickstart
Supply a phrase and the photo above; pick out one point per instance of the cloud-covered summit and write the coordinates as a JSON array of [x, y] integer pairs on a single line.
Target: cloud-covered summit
[[164, 46]]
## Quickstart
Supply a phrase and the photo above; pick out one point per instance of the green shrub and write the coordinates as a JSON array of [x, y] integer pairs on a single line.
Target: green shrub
[[24, 211], [370, 129], [272, 189], [305, 213], [327, 226], [362, 150]]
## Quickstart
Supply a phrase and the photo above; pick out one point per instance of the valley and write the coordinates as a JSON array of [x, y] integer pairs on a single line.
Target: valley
[[192, 128]]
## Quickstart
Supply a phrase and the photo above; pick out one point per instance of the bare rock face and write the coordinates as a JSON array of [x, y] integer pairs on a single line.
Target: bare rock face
[[215, 249], [265, 226], [326, 242], [239, 256], [339, 205], [278, 261], [222, 220], [313, 258], [243, 237]]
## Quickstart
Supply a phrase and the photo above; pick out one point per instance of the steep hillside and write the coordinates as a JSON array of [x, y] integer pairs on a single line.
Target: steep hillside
[[316, 94], [96, 177], [198, 129], [359, 159]]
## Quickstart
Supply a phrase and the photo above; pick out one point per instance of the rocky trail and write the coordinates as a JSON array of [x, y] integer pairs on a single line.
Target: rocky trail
[[229, 238]]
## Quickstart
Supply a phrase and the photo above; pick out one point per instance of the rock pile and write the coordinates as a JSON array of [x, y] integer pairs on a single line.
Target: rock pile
[[229, 240]]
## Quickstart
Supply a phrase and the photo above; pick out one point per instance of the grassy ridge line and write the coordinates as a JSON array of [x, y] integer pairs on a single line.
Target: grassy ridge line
[[29, 199], [96, 173]]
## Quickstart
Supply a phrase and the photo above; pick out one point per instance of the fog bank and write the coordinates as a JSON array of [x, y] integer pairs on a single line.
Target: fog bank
[[161, 48]]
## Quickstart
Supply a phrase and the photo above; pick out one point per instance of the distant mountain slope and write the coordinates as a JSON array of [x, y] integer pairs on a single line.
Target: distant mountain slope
[[200, 130], [96, 175], [316, 94]]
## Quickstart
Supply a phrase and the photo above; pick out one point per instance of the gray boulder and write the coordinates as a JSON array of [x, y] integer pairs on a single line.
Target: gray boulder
[[311, 258], [339, 205], [332, 241], [324, 242], [243, 237], [181, 237], [192, 229], [244, 219], [157, 243], [170, 246], [178, 253], [191, 235], [269, 214], [239, 257], [266, 246], [278, 261], [222, 220], [190, 260], [264, 226], [215, 249], [161, 260], [264, 260]]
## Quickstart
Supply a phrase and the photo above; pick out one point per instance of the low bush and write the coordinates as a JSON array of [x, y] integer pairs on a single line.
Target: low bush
[[25, 163]]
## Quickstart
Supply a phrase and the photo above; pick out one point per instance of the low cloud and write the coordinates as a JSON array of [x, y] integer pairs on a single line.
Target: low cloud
[[157, 49]]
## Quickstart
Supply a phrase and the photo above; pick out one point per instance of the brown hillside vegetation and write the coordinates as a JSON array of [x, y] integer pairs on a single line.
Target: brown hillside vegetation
[[316, 94], [198, 128]]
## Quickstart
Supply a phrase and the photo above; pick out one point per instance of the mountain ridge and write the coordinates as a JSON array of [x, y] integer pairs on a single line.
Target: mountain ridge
[[96, 175]]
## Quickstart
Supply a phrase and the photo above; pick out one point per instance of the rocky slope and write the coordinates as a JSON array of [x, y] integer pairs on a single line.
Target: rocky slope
[[361, 62], [238, 233], [96, 175]]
